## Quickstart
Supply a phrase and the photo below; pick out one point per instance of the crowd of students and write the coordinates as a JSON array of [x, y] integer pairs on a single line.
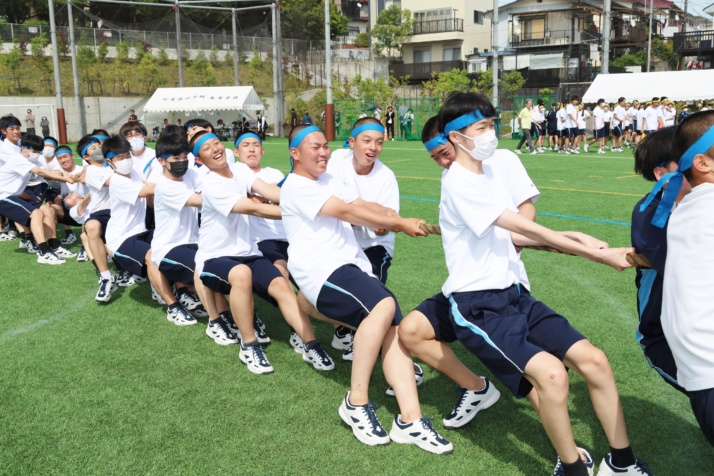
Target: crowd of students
[[210, 227]]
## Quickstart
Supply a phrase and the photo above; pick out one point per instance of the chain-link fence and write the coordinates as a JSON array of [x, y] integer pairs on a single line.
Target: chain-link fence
[[412, 113]]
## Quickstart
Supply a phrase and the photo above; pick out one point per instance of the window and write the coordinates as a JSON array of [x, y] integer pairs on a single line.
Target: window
[[452, 54], [429, 15], [422, 56], [478, 17]]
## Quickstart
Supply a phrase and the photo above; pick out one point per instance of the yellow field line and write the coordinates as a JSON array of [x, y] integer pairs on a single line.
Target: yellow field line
[[627, 176]]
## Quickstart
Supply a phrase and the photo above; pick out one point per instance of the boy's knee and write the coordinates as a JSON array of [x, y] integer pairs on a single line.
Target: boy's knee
[[92, 229], [241, 277], [410, 329]]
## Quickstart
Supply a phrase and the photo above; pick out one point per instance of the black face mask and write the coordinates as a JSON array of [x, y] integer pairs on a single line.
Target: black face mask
[[178, 169]]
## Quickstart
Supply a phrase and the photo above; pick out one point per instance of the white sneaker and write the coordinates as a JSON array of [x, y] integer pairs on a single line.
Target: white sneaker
[[422, 434], [220, 333], [600, 151], [606, 468], [586, 147], [82, 255], [518, 151], [296, 342], [259, 334], [576, 151], [541, 150], [190, 301], [62, 252], [418, 376], [156, 296], [318, 357], [587, 459], [106, 288], [348, 355], [342, 341], [255, 359], [5, 237], [364, 423], [534, 152], [180, 317], [132, 279], [49, 258], [471, 402], [68, 239]]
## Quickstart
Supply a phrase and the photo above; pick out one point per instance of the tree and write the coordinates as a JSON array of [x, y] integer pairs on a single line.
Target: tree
[[394, 25], [447, 81], [203, 69], [362, 39], [123, 51], [213, 55], [11, 62], [381, 91], [19, 11], [150, 73], [305, 19], [38, 45], [511, 82]]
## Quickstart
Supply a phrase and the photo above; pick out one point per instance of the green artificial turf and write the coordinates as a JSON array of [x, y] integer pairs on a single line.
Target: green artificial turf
[[116, 389]]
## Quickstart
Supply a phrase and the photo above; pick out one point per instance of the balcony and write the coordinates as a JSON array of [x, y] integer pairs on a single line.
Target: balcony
[[624, 33], [694, 43], [552, 38], [353, 11], [437, 26], [422, 71]]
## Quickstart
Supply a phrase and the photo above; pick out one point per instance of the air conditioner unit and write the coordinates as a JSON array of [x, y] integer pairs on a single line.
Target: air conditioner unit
[[485, 50]]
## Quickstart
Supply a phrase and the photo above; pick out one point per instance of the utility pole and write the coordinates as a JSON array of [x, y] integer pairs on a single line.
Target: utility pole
[[649, 41], [75, 73], [178, 42], [329, 106], [494, 50], [61, 122], [605, 60], [236, 79]]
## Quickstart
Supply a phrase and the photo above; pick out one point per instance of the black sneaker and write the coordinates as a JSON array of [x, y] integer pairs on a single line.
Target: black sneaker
[[318, 357]]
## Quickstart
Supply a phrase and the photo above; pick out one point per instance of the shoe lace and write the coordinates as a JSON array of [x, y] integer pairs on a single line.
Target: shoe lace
[[642, 467], [260, 355], [462, 398], [369, 411], [223, 327], [321, 353], [426, 424]]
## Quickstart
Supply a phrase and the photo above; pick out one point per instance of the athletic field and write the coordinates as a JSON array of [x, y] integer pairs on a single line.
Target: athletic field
[[116, 389]]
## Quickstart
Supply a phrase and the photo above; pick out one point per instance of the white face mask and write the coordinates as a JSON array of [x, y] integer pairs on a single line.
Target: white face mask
[[33, 156], [123, 166], [136, 143], [48, 152], [484, 145]]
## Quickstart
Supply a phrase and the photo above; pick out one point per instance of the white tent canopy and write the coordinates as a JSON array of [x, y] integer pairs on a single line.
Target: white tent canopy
[[221, 98], [675, 85]]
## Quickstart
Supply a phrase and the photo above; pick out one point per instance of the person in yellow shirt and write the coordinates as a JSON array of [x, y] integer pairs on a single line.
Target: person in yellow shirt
[[525, 118]]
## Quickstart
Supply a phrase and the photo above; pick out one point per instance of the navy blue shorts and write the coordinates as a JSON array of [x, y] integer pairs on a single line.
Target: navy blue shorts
[[437, 310], [660, 358], [17, 210], [630, 128], [66, 217], [607, 129], [574, 132], [215, 274], [179, 264], [37, 192], [102, 216], [702, 402], [505, 329], [564, 133], [131, 254], [600, 133], [350, 294], [552, 131], [581, 132], [381, 261], [617, 130], [274, 250]]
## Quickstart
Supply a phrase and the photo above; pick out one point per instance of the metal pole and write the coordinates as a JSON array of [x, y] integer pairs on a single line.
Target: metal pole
[[276, 95], [61, 123], [649, 41], [236, 79], [281, 84], [329, 106], [75, 73], [178, 42], [605, 60], [494, 49]]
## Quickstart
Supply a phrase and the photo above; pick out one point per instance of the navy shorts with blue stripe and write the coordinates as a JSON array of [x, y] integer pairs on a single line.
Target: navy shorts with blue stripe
[[215, 274], [274, 250], [350, 294], [131, 254], [66, 217], [437, 310], [702, 402], [179, 263], [102, 216], [381, 261], [600, 133], [505, 329], [17, 210], [617, 130]]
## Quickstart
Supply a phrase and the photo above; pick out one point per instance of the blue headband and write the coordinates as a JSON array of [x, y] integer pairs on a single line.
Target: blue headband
[[675, 179], [100, 137], [83, 152], [248, 135], [434, 142], [202, 140], [63, 149], [300, 136], [368, 126], [51, 141], [463, 121]]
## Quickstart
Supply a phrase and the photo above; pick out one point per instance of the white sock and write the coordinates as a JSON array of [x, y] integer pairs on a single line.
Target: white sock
[[105, 274]]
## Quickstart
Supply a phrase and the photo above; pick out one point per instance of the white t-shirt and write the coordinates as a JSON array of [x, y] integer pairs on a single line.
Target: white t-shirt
[[561, 115], [8, 150], [479, 255], [619, 112], [631, 116], [379, 186], [265, 228], [641, 119], [147, 166], [668, 116], [176, 223], [687, 307], [95, 178], [14, 175], [128, 209], [582, 116], [599, 117], [318, 244], [222, 232], [570, 112], [79, 188], [651, 118], [607, 116]]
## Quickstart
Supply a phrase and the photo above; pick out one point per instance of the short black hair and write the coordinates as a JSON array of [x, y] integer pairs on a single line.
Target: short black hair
[[459, 103], [430, 129], [574, 98], [116, 144], [655, 150], [200, 122], [132, 126], [33, 142], [195, 138], [171, 144], [99, 132], [174, 130], [689, 131], [9, 121], [364, 120]]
